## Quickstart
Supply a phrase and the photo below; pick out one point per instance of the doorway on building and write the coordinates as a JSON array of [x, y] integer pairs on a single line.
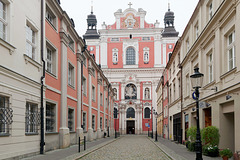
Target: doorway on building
[[130, 127]]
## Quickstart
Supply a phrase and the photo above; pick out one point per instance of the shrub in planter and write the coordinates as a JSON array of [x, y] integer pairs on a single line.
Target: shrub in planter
[[226, 153], [209, 150], [187, 143], [191, 146], [191, 133], [210, 136]]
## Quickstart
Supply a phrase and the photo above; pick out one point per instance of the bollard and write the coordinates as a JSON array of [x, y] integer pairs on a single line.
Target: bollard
[[79, 144], [84, 143]]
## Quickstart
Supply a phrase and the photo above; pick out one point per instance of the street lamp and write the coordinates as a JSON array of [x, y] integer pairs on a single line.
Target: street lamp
[[115, 115], [196, 80], [148, 127], [156, 126], [153, 110]]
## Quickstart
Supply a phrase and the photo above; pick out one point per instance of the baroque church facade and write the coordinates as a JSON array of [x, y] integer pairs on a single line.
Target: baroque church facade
[[132, 54]]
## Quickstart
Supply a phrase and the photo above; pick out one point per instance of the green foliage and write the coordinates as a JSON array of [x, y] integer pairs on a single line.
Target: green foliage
[[191, 133], [209, 150], [226, 152], [187, 143], [210, 136], [191, 146]]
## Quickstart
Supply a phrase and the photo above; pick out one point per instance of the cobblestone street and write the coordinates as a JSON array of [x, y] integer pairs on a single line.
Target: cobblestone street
[[128, 147]]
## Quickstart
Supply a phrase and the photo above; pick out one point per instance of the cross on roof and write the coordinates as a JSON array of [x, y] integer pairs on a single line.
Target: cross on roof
[[129, 4]]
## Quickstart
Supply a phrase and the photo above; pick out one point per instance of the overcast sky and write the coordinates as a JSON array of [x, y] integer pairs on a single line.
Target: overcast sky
[[104, 11]]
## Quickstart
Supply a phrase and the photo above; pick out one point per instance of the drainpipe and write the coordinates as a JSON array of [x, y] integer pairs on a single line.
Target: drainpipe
[[181, 105], [42, 143], [84, 48]]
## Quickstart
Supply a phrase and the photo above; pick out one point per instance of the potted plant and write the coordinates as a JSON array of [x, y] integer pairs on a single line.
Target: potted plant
[[226, 153]]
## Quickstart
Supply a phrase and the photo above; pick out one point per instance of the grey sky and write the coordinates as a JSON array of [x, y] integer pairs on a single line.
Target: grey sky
[[104, 11]]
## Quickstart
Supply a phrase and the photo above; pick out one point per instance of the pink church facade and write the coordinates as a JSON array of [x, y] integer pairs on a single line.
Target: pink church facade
[[132, 54]]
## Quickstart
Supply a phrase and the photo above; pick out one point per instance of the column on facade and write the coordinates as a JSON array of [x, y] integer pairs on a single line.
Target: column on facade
[[120, 118], [103, 52], [64, 140], [90, 130], [157, 51], [79, 95], [137, 118], [99, 101], [140, 118], [123, 120], [104, 109]]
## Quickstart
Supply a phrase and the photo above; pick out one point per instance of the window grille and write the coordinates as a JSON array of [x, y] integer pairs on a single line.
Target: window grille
[[50, 117], [93, 122], [71, 119], [101, 123], [84, 121], [130, 56], [32, 118], [6, 115]]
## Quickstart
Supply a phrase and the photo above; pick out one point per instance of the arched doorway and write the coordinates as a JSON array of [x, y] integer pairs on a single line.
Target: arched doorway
[[130, 123]]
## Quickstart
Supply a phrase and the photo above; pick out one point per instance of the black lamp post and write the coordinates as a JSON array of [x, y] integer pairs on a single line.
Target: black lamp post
[[197, 79], [115, 115], [156, 127], [148, 127], [152, 121]]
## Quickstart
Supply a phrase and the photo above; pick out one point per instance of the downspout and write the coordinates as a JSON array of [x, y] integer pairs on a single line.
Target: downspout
[[42, 143], [84, 48], [181, 105]]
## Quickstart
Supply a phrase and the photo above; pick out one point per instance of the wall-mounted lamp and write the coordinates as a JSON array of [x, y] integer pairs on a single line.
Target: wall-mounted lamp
[[184, 112], [228, 97]]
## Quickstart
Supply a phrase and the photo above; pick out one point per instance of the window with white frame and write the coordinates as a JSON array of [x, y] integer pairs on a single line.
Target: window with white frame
[[93, 122], [196, 31], [210, 67], [51, 17], [187, 85], [231, 50], [71, 119], [84, 83], [30, 41], [115, 56], [146, 55], [3, 20], [147, 112], [173, 66], [210, 10], [84, 60], [179, 87], [31, 118], [51, 60], [4, 112], [101, 99], [130, 56], [101, 123], [93, 93], [71, 43], [187, 45], [70, 75], [106, 123], [50, 117], [84, 123]]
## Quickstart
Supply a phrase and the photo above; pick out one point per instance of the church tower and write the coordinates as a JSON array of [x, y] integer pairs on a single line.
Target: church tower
[[169, 29], [92, 37]]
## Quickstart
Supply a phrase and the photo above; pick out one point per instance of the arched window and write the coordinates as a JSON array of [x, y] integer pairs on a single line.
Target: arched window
[[146, 112], [147, 93], [130, 113], [130, 56], [115, 56], [115, 113], [130, 91]]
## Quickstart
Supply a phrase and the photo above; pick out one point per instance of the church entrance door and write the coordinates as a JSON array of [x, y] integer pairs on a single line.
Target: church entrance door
[[130, 127]]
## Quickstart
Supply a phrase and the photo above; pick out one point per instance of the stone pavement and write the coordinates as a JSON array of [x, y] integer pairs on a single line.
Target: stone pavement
[[128, 147], [72, 151], [178, 151]]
